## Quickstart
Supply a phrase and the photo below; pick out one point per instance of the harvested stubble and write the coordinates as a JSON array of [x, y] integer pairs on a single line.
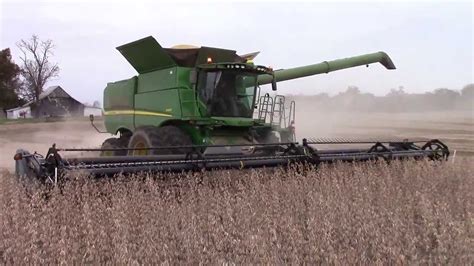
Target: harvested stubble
[[402, 212]]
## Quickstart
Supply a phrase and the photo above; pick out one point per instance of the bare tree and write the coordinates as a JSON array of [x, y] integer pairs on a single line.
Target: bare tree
[[36, 67]]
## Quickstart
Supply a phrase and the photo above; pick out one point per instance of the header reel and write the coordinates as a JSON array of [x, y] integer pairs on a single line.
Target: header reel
[[54, 167]]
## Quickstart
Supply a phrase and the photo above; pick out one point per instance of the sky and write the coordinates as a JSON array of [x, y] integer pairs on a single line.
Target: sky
[[431, 43]]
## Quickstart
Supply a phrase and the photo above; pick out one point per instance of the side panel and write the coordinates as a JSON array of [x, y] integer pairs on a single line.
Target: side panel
[[188, 103], [187, 94], [157, 80], [153, 108], [157, 98], [119, 104]]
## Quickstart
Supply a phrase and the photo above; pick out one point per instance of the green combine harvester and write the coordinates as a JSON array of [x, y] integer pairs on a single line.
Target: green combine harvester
[[193, 108]]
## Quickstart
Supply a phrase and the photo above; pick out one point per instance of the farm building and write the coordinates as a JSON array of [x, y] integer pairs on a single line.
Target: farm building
[[19, 112], [55, 101], [52, 102]]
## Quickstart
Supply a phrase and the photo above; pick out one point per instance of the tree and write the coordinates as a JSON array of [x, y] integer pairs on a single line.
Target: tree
[[352, 91], [467, 97], [96, 104], [445, 99], [395, 92], [36, 67], [468, 91], [9, 81]]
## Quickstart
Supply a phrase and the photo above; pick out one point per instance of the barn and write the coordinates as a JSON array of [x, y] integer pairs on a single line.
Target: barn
[[52, 102], [55, 102]]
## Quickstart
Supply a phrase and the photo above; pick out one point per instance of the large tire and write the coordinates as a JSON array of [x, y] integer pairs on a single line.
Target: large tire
[[114, 143], [149, 136]]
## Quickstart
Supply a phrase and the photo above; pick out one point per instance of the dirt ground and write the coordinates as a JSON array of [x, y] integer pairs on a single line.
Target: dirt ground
[[456, 129]]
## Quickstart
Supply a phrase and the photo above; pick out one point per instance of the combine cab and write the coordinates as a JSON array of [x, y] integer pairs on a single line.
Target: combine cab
[[193, 108]]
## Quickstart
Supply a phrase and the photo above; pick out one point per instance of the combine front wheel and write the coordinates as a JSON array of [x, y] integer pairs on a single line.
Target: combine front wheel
[[113, 143], [146, 137]]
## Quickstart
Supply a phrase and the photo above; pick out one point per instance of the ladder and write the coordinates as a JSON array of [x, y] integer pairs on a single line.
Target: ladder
[[278, 117], [265, 103], [273, 111]]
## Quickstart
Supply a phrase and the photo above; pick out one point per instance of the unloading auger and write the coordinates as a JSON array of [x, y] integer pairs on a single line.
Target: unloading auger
[[194, 108]]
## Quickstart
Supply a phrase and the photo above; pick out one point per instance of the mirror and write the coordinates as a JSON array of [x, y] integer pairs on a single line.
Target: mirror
[[274, 83]]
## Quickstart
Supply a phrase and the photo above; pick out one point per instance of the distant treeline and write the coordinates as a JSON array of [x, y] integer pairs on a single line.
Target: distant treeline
[[397, 100]]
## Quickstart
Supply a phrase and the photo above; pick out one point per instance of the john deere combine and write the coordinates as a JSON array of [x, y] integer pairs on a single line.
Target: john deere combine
[[195, 108]]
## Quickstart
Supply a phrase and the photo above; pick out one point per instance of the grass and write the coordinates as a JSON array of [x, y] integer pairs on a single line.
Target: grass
[[398, 213]]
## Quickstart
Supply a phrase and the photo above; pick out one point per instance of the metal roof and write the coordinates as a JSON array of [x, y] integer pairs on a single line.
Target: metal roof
[[45, 94], [48, 91], [17, 108]]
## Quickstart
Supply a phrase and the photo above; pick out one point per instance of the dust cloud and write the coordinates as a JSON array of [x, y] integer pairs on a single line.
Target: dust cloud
[[455, 128], [40, 136], [398, 114]]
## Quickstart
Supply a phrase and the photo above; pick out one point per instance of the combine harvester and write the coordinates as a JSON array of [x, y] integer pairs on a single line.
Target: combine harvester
[[193, 108]]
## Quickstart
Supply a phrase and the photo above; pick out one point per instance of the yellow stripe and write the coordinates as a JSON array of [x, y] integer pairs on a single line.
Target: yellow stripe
[[152, 113], [122, 112], [135, 112]]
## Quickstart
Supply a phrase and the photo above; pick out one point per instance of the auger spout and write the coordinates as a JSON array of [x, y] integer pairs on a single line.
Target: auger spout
[[328, 66]]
